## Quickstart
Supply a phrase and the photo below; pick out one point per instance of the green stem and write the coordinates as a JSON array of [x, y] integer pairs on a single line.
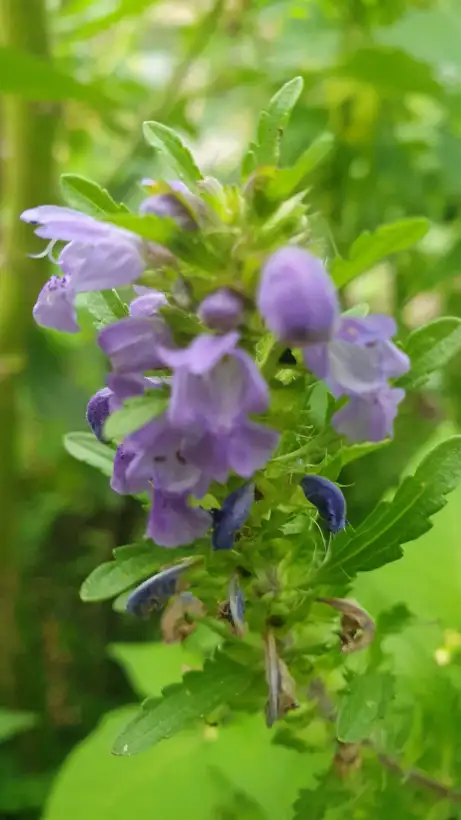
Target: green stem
[[29, 130]]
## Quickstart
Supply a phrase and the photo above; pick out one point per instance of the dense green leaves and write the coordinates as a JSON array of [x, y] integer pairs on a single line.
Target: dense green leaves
[[135, 413], [87, 196], [85, 447], [132, 564], [377, 541], [199, 694], [274, 120], [430, 348], [364, 704], [286, 180], [13, 723], [167, 142], [371, 248]]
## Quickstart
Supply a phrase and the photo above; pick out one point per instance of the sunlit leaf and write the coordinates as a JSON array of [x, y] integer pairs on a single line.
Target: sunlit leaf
[[135, 413], [274, 120], [377, 541], [167, 142], [364, 704], [371, 248], [200, 692], [430, 348], [114, 577], [87, 196], [85, 447], [286, 180]]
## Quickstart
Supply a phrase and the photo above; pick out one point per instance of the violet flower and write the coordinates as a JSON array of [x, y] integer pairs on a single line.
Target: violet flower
[[297, 298], [370, 416], [173, 522], [221, 310]]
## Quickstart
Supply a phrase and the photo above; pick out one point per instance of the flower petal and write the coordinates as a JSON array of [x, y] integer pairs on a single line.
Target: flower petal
[[173, 523], [114, 261], [369, 417], [54, 307], [202, 354], [249, 448], [132, 343]]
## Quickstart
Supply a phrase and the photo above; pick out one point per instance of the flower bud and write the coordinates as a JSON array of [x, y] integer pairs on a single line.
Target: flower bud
[[297, 298], [221, 310], [98, 411]]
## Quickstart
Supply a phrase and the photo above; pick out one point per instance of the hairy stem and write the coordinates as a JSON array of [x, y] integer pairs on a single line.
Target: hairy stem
[[28, 136]]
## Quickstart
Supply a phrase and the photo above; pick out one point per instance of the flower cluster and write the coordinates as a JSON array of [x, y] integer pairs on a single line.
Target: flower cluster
[[212, 388], [353, 355]]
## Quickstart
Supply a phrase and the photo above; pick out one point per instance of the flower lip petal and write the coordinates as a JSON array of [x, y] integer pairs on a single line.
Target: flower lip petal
[[54, 308], [202, 354]]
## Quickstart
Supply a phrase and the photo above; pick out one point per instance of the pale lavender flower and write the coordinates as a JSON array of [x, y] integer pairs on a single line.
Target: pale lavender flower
[[214, 384], [370, 416], [54, 307], [221, 310], [147, 302], [173, 522], [360, 357], [131, 343], [297, 298], [120, 482], [231, 517]]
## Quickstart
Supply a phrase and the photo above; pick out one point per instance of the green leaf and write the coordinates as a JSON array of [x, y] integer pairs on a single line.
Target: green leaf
[[377, 541], [135, 413], [273, 122], [286, 180], [13, 723], [85, 447], [151, 227], [167, 142], [199, 694], [363, 705], [105, 307], [114, 577], [371, 248], [87, 196], [34, 79], [430, 348]]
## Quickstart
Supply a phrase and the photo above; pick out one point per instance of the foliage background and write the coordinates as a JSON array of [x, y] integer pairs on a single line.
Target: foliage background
[[77, 80]]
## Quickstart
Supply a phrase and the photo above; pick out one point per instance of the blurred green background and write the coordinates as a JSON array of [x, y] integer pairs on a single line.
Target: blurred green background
[[78, 77]]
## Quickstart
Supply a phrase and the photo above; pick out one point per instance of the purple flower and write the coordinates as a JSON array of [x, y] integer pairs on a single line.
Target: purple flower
[[122, 483], [131, 344], [221, 310], [152, 595], [232, 516], [54, 307], [184, 209], [297, 298], [99, 256], [98, 410], [172, 522], [360, 357], [370, 416], [214, 384], [329, 500], [148, 302]]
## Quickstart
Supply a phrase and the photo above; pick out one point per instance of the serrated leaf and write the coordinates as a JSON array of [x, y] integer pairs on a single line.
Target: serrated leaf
[[430, 348], [286, 180], [87, 196], [166, 141], [273, 122], [363, 705], [151, 227], [135, 413], [105, 307], [85, 447], [378, 540], [371, 248], [114, 577], [199, 694]]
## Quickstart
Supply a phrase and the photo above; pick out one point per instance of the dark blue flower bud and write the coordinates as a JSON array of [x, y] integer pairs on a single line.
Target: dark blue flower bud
[[152, 595], [329, 500], [98, 411], [232, 516]]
